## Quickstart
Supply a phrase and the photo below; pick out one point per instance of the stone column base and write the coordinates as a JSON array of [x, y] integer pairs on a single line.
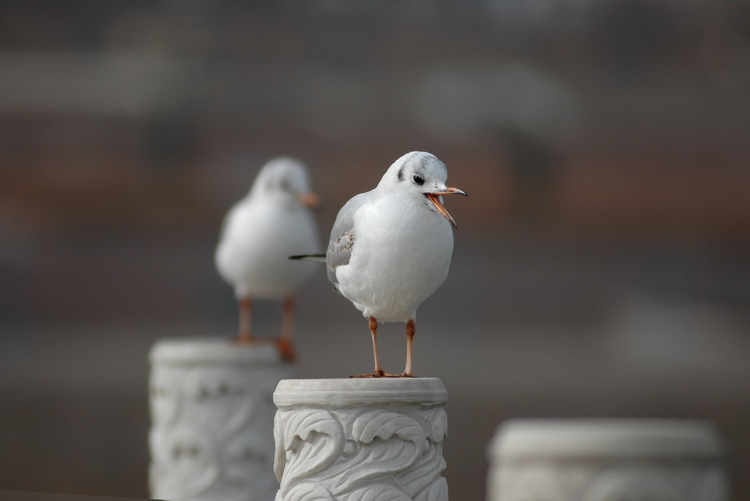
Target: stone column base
[[360, 439], [212, 420], [606, 460]]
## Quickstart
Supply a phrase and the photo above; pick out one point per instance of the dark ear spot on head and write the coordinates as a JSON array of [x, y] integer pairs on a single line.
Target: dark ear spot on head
[[424, 161], [401, 174]]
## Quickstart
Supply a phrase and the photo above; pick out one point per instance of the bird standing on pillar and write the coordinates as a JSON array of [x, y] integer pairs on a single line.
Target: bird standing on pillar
[[391, 247], [259, 232]]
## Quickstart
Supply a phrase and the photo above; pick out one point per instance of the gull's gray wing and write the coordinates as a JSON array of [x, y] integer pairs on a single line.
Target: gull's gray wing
[[342, 235]]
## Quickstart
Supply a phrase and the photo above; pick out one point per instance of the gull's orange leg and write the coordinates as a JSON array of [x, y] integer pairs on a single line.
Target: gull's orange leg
[[379, 372], [410, 330], [374, 331], [246, 308], [287, 329]]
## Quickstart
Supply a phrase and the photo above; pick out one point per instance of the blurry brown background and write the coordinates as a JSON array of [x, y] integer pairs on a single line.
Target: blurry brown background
[[601, 266]]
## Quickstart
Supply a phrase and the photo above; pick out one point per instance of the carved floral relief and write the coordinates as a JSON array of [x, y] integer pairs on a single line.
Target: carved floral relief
[[211, 435], [384, 453]]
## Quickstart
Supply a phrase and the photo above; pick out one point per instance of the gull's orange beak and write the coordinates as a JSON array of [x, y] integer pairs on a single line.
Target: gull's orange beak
[[437, 202], [310, 199]]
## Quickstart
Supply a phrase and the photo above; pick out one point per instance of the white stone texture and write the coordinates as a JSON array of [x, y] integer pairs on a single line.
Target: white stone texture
[[360, 439], [212, 420], [606, 460]]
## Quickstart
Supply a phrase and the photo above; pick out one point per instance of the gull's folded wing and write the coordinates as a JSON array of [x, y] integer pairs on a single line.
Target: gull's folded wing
[[342, 235]]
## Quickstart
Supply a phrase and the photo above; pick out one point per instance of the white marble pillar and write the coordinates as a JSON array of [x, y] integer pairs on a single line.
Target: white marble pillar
[[606, 460], [360, 439], [212, 420]]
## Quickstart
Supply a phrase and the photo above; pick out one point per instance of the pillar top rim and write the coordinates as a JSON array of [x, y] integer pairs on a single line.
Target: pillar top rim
[[351, 392], [605, 437], [212, 350]]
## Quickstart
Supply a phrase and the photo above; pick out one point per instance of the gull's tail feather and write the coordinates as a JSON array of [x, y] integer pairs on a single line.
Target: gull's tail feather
[[318, 258]]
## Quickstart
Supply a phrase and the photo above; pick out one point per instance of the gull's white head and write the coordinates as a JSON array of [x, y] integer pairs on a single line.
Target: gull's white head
[[285, 181], [422, 177]]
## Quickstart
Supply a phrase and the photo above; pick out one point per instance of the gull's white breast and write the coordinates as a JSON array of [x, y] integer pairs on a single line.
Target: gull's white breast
[[258, 238], [401, 255]]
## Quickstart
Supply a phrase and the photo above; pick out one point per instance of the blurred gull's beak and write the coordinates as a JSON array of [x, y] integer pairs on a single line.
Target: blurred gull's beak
[[309, 199], [435, 198]]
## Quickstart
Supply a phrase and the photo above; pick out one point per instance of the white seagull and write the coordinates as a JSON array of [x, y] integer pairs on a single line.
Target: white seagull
[[259, 232], [391, 247]]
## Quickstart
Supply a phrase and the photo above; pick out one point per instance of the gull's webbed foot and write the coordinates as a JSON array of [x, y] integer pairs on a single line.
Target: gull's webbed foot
[[375, 375], [287, 350], [245, 339]]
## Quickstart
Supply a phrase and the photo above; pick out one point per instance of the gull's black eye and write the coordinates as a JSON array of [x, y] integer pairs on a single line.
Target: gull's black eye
[[418, 180]]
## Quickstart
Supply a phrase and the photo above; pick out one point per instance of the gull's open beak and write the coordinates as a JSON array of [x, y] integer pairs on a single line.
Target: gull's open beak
[[435, 199], [309, 199]]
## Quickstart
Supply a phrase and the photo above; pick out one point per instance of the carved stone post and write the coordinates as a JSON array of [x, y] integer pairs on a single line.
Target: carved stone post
[[606, 460], [212, 420], [360, 439]]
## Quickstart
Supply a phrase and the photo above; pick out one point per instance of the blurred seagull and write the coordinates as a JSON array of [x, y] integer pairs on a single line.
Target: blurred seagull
[[259, 232], [391, 247]]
